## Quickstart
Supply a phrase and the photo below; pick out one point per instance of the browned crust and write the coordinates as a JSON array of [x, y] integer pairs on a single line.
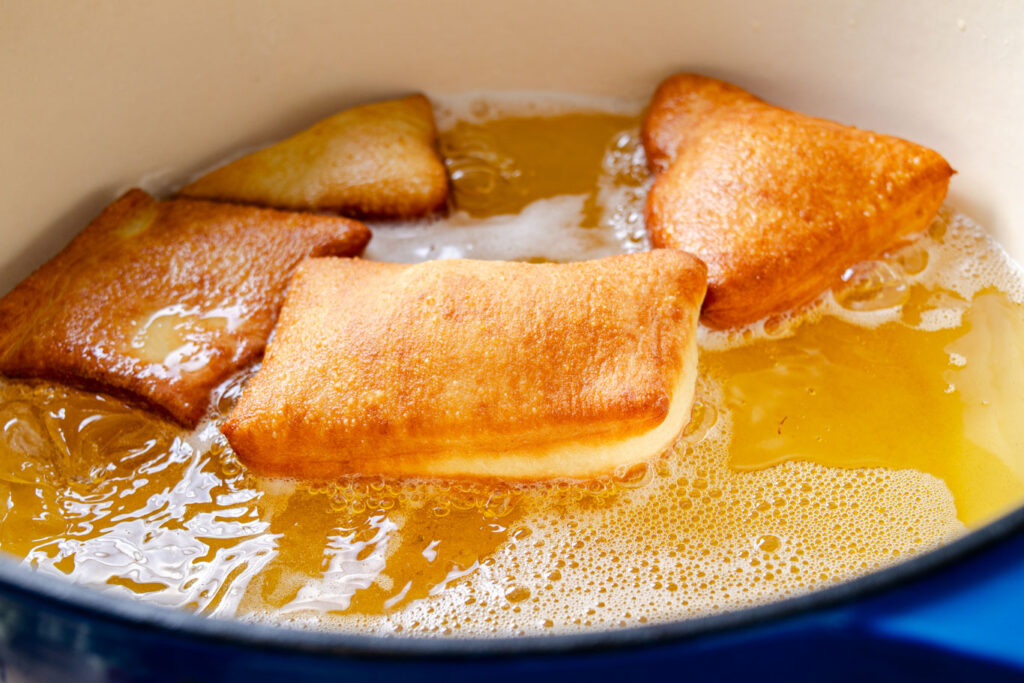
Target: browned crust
[[776, 203], [377, 368], [75, 319], [379, 160], [679, 107]]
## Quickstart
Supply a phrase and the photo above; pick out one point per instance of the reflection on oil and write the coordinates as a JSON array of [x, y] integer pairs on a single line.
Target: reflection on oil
[[180, 339]]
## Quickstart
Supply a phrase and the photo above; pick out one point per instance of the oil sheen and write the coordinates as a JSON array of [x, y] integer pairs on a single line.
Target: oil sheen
[[876, 424]]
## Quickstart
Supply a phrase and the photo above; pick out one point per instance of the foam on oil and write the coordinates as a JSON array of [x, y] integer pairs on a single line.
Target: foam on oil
[[868, 428]]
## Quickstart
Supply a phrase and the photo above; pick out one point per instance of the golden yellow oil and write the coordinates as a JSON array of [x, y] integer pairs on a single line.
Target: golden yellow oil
[[869, 428], [845, 396], [503, 165]]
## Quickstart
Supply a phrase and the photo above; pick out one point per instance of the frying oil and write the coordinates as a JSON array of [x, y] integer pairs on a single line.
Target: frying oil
[[876, 424]]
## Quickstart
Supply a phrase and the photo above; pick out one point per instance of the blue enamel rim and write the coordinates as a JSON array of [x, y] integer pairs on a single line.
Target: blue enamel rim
[[18, 580]]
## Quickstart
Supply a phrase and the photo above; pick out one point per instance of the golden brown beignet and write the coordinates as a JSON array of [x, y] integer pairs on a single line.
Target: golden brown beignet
[[776, 203], [162, 301], [475, 369], [376, 161]]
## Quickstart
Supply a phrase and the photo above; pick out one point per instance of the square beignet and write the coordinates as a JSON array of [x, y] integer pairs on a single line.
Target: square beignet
[[375, 161], [475, 369], [776, 203], [163, 301]]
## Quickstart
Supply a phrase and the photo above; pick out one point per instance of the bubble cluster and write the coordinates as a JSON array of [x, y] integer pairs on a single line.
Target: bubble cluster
[[623, 189], [685, 536], [580, 198], [927, 284]]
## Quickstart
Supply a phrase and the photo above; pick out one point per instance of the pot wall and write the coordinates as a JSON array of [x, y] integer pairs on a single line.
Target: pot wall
[[96, 95]]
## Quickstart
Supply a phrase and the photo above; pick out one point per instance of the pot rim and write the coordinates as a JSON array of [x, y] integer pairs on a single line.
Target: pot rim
[[57, 592]]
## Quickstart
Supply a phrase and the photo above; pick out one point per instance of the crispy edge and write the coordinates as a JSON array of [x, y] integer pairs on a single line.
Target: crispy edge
[[244, 425], [226, 183], [679, 107], [750, 290], [745, 288], [20, 314]]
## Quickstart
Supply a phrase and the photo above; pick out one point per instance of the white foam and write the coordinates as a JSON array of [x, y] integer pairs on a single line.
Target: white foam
[[961, 258], [692, 538], [623, 204], [547, 229], [970, 260]]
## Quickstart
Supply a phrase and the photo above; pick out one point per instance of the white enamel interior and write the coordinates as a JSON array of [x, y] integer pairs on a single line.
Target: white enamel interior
[[96, 95]]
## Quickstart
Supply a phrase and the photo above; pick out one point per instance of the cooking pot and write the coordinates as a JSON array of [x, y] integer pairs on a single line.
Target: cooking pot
[[97, 95]]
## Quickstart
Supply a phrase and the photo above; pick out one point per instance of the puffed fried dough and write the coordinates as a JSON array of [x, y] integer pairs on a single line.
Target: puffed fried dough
[[163, 301], [375, 161], [776, 203], [474, 369]]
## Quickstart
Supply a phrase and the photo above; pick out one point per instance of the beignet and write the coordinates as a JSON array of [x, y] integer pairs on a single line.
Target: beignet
[[375, 161], [162, 301], [475, 369], [776, 203]]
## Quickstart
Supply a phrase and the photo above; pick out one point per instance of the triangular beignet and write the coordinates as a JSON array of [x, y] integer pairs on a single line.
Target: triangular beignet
[[375, 161], [776, 203], [163, 301], [475, 369]]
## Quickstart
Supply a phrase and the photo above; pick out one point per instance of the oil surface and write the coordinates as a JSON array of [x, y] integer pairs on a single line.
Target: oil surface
[[873, 426]]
